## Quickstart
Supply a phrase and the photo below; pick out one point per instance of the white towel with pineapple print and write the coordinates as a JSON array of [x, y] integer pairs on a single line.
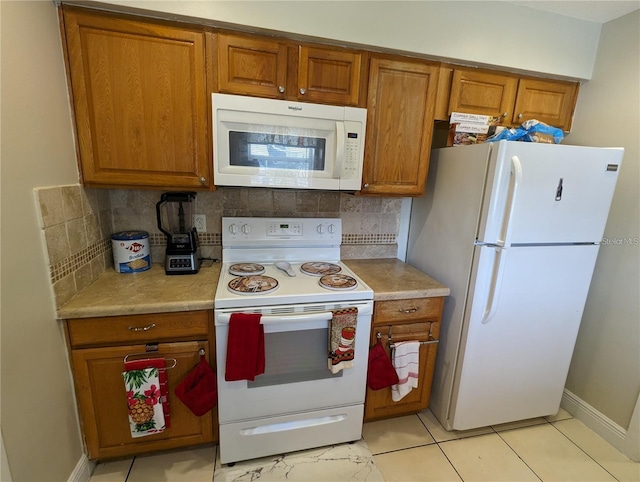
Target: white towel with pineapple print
[[144, 402]]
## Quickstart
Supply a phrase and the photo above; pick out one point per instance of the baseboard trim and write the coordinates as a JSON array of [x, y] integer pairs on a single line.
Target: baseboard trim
[[596, 421], [82, 472]]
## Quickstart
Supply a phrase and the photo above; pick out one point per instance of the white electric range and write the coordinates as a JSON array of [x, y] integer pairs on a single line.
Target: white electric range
[[298, 402]]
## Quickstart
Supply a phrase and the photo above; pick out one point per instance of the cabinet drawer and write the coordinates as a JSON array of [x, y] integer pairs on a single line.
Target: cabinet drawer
[[399, 311], [139, 328], [418, 330]]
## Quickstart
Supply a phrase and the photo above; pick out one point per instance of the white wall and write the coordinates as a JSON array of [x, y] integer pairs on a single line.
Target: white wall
[[605, 371], [493, 33], [39, 424]]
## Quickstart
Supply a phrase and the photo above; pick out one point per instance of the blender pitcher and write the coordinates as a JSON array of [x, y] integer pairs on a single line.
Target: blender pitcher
[[174, 213]]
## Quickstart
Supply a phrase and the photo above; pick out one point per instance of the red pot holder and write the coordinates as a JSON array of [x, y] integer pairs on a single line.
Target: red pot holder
[[381, 373], [199, 389]]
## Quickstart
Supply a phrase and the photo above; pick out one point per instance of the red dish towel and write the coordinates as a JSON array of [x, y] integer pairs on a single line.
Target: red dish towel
[[245, 347], [158, 363]]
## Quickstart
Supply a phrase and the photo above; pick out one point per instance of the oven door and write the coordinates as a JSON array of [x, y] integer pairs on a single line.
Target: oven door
[[296, 377]]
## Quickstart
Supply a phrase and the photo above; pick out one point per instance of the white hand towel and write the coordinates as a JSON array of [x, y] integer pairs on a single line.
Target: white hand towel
[[406, 359]]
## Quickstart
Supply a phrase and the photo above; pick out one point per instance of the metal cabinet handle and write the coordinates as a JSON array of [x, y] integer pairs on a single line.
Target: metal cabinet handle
[[366, 185], [303, 91], [519, 116], [203, 180], [408, 310], [144, 328], [505, 114], [281, 89]]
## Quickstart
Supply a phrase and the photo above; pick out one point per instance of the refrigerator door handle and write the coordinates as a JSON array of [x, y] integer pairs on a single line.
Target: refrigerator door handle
[[516, 170], [495, 282]]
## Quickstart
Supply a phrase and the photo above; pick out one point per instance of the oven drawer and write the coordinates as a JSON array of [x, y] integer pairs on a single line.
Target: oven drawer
[[400, 311], [288, 433], [135, 329]]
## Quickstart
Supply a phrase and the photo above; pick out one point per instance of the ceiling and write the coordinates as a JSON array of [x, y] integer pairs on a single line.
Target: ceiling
[[594, 11]]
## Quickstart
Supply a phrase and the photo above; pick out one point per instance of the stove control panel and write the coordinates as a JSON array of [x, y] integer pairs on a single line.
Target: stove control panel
[[284, 228], [253, 232]]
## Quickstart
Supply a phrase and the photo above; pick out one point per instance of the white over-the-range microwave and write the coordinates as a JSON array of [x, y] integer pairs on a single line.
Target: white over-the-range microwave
[[280, 144]]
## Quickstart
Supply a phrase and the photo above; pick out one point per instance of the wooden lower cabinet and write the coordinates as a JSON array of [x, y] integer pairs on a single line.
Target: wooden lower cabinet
[[101, 394], [404, 320]]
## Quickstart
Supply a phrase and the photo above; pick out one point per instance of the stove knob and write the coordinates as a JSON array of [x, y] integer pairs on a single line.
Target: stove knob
[[332, 228], [233, 229], [320, 229], [246, 228]]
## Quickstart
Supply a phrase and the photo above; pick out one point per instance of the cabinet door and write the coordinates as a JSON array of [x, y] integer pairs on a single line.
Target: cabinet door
[[551, 102], [329, 76], [140, 100], [485, 93], [102, 401], [400, 110], [251, 66], [379, 403]]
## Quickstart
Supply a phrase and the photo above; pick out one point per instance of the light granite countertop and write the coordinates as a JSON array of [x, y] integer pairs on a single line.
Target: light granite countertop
[[152, 291], [392, 279]]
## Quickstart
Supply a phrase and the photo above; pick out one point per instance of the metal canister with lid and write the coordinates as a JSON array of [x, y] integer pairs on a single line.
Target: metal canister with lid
[[131, 253]]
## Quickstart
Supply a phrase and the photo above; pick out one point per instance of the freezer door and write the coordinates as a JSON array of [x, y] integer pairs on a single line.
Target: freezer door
[[543, 193], [520, 330]]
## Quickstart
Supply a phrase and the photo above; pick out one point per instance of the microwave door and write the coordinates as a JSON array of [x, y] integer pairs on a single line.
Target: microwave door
[[268, 155]]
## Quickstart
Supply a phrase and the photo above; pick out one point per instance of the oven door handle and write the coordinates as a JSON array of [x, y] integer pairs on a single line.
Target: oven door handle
[[223, 318]]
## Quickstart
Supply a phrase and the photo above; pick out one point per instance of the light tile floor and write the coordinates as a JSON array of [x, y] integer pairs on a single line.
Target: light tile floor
[[405, 449]]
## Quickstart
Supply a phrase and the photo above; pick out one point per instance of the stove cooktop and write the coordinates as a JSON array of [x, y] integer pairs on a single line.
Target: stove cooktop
[[330, 282]]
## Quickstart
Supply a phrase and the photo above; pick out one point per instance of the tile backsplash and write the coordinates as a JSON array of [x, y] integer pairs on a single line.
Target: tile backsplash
[[77, 224]]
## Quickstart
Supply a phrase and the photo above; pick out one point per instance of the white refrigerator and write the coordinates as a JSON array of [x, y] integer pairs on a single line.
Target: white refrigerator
[[513, 228]]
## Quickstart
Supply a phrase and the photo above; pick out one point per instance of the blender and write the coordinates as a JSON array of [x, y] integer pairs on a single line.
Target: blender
[[174, 220]]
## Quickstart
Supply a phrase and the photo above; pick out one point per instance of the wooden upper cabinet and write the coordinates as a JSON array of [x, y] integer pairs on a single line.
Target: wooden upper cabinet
[[512, 98], [251, 66], [548, 101], [140, 99], [400, 112], [282, 69], [480, 92], [329, 76]]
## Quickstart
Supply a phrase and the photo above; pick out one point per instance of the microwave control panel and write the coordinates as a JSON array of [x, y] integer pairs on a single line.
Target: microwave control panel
[[352, 150]]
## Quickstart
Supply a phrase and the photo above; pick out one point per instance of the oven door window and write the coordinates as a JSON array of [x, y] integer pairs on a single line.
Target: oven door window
[[294, 356], [277, 151]]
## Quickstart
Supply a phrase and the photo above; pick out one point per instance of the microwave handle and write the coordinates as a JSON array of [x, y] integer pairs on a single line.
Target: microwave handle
[[340, 145]]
